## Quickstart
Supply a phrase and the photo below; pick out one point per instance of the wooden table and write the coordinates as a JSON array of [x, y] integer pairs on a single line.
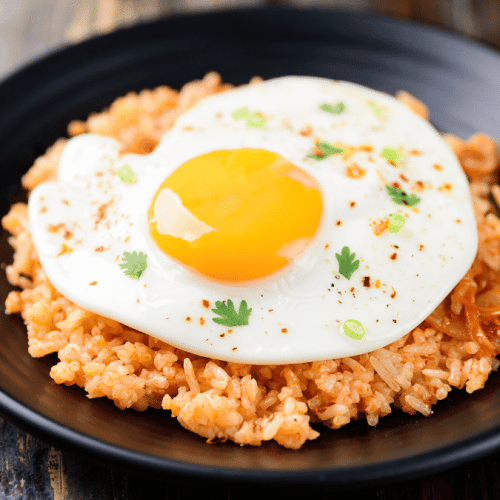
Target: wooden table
[[33, 470]]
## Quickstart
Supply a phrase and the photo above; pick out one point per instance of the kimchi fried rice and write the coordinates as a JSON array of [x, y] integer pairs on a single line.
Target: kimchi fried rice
[[248, 404]]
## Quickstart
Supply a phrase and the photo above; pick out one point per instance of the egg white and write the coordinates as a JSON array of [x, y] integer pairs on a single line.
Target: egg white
[[297, 315]]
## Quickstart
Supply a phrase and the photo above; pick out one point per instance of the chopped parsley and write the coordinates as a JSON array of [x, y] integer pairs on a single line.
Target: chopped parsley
[[134, 264], [323, 150], [393, 155], [255, 120], [126, 174], [229, 316], [354, 329], [396, 223], [401, 197], [336, 109], [347, 264]]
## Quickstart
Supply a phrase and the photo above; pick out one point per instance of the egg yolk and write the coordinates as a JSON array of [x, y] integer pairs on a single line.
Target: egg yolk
[[236, 215]]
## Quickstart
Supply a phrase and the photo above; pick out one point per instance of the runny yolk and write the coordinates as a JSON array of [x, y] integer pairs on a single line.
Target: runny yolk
[[235, 216]]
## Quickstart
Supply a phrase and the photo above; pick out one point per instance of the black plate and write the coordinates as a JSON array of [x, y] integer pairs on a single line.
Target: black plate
[[459, 80]]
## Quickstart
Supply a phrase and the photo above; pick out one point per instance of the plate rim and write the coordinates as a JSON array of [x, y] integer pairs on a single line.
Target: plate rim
[[51, 431]]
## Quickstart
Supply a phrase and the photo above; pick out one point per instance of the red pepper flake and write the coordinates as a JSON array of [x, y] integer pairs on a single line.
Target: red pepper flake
[[306, 131], [188, 319], [366, 147], [414, 152], [64, 249], [352, 204], [101, 213], [222, 335], [352, 289], [284, 330], [381, 226], [445, 187], [202, 321], [366, 281], [92, 283], [354, 171], [327, 246], [205, 303], [338, 223], [421, 247], [418, 186], [43, 210], [230, 331], [234, 348], [66, 202], [270, 310], [377, 284], [394, 321], [458, 221], [393, 294], [395, 185], [404, 178], [67, 234], [437, 166], [52, 228], [394, 256], [99, 249], [316, 151]]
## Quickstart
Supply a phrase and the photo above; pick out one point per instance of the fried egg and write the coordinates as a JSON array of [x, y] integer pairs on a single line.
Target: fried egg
[[294, 220]]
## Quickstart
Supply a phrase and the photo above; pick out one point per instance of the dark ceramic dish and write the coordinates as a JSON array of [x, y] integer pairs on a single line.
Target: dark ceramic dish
[[459, 80]]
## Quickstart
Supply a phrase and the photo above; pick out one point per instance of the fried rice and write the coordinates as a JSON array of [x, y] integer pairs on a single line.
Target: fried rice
[[248, 404]]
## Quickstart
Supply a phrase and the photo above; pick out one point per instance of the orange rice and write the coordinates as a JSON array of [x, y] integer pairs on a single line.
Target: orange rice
[[248, 404]]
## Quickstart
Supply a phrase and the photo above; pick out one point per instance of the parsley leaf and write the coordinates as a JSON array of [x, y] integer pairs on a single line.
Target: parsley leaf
[[134, 264], [255, 120], [229, 316], [401, 197], [393, 155], [126, 174], [336, 109], [323, 150], [347, 264]]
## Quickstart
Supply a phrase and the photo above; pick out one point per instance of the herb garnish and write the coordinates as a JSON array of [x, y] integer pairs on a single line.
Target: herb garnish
[[323, 150], [255, 120], [336, 109], [126, 174], [354, 329], [229, 316], [134, 264], [401, 197], [393, 155], [347, 264]]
